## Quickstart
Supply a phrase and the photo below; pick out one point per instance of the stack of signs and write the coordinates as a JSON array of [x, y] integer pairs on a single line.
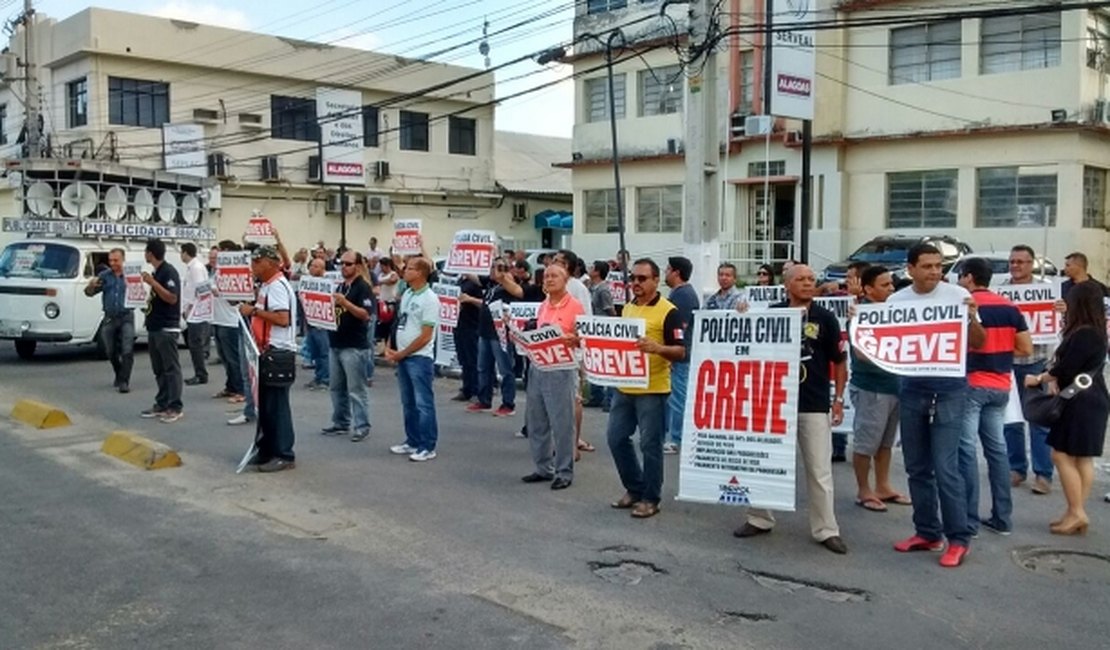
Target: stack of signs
[[203, 307], [406, 237], [472, 252], [616, 287], [260, 231], [545, 348], [759, 297], [741, 417], [318, 299], [1037, 302], [610, 353], [448, 318], [136, 289], [234, 280], [913, 339]]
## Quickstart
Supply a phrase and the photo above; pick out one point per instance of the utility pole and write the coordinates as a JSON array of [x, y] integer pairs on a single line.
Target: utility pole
[[701, 223], [31, 83]]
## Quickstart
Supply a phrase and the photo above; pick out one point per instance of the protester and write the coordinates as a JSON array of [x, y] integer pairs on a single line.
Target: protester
[[163, 324], [728, 297], [300, 265], [414, 355], [197, 335], [466, 336], [551, 393], [932, 420], [350, 398], [372, 324], [1075, 268], [765, 276], [645, 408], [601, 304], [578, 289], [117, 330], [989, 375], [685, 299], [1078, 437], [273, 318], [874, 395], [821, 351], [225, 324], [317, 341], [492, 358], [388, 281], [373, 255]]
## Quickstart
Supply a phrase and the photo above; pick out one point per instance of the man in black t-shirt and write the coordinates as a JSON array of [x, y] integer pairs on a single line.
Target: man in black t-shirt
[[821, 348], [466, 335], [493, 360], [350, 350], [163, 324]]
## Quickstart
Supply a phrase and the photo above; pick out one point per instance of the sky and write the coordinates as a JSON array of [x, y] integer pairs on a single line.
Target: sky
[[412, 28]]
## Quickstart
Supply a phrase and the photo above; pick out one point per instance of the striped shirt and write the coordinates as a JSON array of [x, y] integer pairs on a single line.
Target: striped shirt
[[992, 364]]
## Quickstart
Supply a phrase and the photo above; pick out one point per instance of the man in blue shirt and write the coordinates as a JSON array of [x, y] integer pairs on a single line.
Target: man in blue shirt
[[685, 299], [117, 330]]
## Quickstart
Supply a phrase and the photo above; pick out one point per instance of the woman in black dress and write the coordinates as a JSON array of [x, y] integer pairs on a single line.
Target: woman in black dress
[[1079, 434]]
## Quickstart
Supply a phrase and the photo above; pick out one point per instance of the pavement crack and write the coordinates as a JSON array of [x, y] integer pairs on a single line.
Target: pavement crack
[[819, 589], [750, 617], [620, 548], [625, 572]]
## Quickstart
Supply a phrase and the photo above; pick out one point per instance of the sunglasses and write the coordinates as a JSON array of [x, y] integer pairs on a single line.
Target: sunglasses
[[640, 278], [349, 263], [763, 273]]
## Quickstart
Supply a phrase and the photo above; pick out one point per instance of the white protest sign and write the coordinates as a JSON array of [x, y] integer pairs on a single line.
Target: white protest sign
[[445, 345], [204, 306], [741, 418], [839, 306], [616, 287], [259, 231], [1037, 303], [406, 237], [611, 356], [250, 349], [136, 290], [448, 295], [757, 296], [545, 348], [234, 280], [497, 311], [24, 261], [318, 300], [522, 312], [913, 339], [472, 252]]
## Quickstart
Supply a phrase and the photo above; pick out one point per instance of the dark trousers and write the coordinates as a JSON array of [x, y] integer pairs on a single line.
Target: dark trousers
[[275, 424], [117, 335], [197, 337], [167, 369], [227, 344], [466, 350]]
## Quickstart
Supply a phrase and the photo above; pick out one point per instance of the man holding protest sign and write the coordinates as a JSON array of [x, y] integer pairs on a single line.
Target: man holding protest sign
[[225, 324], [493, 359], [117, 331], [645, 408], [821, 349], [163, 324], [317, 343], [350, 345], [197, 333]]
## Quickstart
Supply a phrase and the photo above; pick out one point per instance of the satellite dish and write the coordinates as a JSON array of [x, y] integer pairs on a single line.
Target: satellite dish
[[115, 203], [190, 208], [79, 200], [40, 199], [167, 207], [144, 204]]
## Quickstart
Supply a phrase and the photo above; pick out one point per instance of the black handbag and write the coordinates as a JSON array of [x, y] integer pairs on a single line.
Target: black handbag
[[277, 367], [1041, 408]]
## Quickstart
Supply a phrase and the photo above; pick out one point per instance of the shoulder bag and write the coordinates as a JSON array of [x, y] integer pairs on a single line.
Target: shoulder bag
[[277, 367], [1041, 408]]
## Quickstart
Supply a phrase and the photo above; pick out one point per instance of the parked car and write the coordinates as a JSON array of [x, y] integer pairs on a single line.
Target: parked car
[[892, 251], [1000, 265]]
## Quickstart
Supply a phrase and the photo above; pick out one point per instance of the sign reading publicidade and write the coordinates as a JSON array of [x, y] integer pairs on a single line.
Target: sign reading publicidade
[[339, 112], [793, 59], [915, 339], [741, 416]]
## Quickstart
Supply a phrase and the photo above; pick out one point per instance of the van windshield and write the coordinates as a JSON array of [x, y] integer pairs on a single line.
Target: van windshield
[[39, 260]]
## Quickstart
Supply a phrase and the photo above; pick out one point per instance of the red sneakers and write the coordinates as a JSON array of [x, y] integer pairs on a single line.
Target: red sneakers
[[954, 556], [504, 412], [476, 408], [919, 543]]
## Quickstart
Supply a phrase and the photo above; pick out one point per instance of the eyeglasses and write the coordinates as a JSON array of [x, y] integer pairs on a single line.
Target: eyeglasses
[[640, 278], [764, 273]]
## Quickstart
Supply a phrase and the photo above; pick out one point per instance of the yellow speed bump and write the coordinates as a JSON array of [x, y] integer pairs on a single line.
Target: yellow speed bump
[[39, 415], [139, 451]]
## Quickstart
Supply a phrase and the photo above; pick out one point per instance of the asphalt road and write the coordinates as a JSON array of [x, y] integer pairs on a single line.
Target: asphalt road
[[357, 548]]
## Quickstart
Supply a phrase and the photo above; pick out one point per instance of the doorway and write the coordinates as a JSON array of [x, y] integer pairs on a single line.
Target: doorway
[[771, 217]]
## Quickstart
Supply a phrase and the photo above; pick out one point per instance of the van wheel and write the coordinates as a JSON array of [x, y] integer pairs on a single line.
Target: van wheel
[[25, 349]]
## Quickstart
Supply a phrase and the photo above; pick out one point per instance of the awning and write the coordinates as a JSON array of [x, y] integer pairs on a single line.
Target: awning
[[554, 219]]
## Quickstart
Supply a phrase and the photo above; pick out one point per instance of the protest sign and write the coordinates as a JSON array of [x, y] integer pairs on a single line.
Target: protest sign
[[448, 303], [545, 348], [472, 252], [203, 306], [318, 300], [839, 306], [234, 280], [406, 237], [250, 350], [522, 312], [445, 345], [1037, 303], [741, 415], [616, 287], [497, 310], [260, 231], [335, 277], [24, 261], [611, 356], [757, 296], [136, 290], [915, 339]]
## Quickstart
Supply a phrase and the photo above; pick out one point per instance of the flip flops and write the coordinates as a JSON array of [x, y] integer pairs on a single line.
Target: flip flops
[[898, 500], [873, 504]]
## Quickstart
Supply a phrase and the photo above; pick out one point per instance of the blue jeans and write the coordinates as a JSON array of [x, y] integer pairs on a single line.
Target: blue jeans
[[490, 355], [676, 403], [983, 418], [371, 331], [227, 343], [932, 425], [350, 399], [648, 413], [414, 377], [319, 353], [1038, 435]]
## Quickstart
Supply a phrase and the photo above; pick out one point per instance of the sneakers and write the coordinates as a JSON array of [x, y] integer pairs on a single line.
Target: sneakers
[[954, 556], [402, 450], [238, 420], [1041, 486], [670, 448], [460, 397], [359, 436], [196, 381], [276, 465], [171, 416], [123, 388], [477, 408], [504, 412], [996, 527], [151, 413], [332, 430], [422, 456], [919, 543]]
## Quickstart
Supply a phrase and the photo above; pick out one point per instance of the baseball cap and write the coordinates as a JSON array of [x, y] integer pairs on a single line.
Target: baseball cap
[[265, 252]]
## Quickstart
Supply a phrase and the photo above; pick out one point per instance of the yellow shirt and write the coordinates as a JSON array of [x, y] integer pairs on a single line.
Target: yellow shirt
[[662, 321]]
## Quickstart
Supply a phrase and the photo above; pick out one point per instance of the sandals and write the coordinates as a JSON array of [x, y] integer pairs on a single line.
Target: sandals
[[585, 446], [873, 504], [898, 500], [236, 399], [222, 394], [644, 509]]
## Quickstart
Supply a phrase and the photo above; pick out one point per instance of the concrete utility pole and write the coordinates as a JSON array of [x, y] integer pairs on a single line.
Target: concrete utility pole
[[31, 83], [701, 223]]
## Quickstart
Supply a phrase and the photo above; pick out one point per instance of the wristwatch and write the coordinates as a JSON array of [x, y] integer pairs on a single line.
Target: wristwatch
[[838, 399]]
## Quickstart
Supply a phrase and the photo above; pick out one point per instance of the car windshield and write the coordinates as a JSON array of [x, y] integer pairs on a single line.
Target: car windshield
[[998, 266], [39, 260], [882, 252]]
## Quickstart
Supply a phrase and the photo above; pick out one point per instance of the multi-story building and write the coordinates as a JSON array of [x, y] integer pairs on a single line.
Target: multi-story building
[[194, 124], [990, 126]]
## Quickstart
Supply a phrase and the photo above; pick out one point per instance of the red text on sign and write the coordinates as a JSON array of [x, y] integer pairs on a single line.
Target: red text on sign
[[471, 257], [1040, 317], [615, 359], [234, 283], [741, 396], [552, 353], [317, 309]]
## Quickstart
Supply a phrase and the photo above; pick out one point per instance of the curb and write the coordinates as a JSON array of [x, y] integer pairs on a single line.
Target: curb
[[39, 415], [139, 451]]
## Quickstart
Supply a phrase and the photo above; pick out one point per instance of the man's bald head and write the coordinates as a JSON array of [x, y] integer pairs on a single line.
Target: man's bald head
[[792, 271], [801, 283]]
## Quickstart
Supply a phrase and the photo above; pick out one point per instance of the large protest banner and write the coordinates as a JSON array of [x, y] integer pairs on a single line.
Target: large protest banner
[[741, 416], [203, 307], [610, 354], [136, 295], [406, 237], [448, 295], [472, 251], [758, 297], [234, 280], [1037, 302], [913, 339], [544, 347], [318, 300]]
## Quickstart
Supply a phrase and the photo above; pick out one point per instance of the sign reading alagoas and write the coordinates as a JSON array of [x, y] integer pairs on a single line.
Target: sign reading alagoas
[[472, 252], [339, 112], [1037, 302], [793, 58], [610, 353], [915, 339], [741, 415]]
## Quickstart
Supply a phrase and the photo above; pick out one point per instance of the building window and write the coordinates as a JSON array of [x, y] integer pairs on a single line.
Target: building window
[[414, 131], [597, 98], [928, 52], [134, 102], [77, 99], [604, 6], [462, 135], [661, 91], [293, 118], [1012, 197], [925, 199], [1098, 39], [762, 168], [1094, 197], [659, 209], [601, 211], [370, 121], [747, 83], [3, 124], [1010, 43]]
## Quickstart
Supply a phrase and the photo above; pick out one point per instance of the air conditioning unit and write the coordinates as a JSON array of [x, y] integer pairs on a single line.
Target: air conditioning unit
[[219, 165], [335, 206], [381, 170], [270, 171], [520, 212], [758, 125], [1100, 113], [314, 175], [377, 205]]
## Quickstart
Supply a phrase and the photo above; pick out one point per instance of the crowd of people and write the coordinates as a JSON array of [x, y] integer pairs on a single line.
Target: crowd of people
[[386, 300]]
